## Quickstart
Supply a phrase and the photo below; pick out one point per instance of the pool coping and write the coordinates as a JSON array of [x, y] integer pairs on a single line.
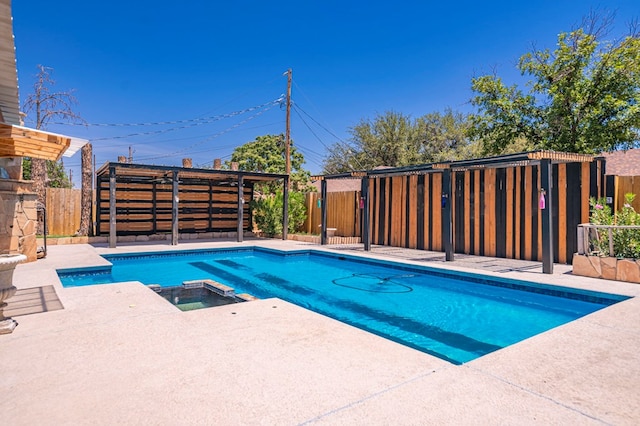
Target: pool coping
[[586, 371]]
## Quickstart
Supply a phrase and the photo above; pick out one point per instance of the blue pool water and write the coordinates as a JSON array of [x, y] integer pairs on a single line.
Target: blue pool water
[[455, 316]]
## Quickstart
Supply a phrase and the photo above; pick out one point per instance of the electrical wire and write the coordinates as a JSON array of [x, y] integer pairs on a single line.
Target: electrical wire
[[183, 150], [295, 109], [194, 122], [330, 149]]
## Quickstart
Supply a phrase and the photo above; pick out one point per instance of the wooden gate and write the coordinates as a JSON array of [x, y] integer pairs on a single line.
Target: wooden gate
[[63, 211]]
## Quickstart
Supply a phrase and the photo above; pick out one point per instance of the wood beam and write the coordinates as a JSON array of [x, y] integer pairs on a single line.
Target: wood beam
[[16, 141]]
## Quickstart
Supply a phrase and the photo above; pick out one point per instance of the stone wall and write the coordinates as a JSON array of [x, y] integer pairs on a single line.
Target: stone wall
[[18, 218], [608, 268]]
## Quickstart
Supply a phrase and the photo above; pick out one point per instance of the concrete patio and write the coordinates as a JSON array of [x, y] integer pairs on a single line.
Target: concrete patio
[[119, 354]]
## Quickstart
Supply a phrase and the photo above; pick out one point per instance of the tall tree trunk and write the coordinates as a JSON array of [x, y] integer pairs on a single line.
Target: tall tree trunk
[[86, 198], [38, 176]]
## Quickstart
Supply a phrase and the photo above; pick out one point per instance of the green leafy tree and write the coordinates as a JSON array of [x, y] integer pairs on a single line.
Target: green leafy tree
[[267, 154], [582, 97], [394, 139], [444, 137], [56, 176]]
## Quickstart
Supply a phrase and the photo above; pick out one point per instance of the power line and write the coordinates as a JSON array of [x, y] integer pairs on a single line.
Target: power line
[[319, 124], [311, 103], [295, 108], [204, 120], [182, 151], [193, 122], [344, 144], [340, 141], [173, 140], [311, 156]]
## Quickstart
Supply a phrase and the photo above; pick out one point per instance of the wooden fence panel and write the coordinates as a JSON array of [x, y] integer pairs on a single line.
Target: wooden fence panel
[[624, 185], [343, 213], [63, 211]]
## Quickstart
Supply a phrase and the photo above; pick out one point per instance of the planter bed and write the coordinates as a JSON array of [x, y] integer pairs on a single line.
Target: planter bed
[[608, 268]]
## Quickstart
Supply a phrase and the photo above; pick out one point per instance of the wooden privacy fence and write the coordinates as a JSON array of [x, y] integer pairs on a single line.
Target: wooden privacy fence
[[624, 185], [63, 211], [343, 213], [495, 211]]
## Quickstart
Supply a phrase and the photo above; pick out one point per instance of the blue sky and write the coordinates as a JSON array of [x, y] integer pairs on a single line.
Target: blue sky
[[157, 61]]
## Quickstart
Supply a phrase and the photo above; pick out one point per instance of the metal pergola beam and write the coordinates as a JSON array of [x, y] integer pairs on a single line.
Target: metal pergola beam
[[175, 190], [366, 228], [323, 212], [112, 207], [447, 216], [545, 204], [240, 228], [285, 207]]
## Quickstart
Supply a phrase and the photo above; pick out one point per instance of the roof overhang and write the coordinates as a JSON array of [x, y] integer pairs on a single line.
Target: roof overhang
[[17, 141], [9, 104]]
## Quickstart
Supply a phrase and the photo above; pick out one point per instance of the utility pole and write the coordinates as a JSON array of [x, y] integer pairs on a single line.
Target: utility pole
[[130, 154], [287, 135]]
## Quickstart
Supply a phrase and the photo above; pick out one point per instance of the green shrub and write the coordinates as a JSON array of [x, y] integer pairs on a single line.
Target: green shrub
[[626, 242], [267, 212]]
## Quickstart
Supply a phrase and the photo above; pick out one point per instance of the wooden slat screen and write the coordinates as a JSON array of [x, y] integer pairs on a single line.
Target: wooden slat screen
[[144, 208], [495, 210]]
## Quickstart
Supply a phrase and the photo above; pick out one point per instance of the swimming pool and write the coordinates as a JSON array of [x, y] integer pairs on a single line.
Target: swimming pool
[[452, 315]]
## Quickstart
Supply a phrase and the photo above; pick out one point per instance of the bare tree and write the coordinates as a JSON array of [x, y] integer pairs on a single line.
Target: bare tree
[[86, 195], [47, 104]]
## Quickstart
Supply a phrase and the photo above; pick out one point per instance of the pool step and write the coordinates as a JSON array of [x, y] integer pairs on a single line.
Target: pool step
[[193, 284], [216, 287], [219, 288], [246, 297]]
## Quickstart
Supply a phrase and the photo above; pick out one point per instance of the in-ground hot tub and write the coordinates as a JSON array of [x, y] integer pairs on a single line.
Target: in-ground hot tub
[[200, 294]]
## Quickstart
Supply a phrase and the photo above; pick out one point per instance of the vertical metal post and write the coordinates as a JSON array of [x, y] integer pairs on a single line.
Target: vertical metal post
[[174, 210], [610, 191], [240, 228], [323, 212], [364, 193], [546, 180], [447, 228], [285, 208], [112, 207]]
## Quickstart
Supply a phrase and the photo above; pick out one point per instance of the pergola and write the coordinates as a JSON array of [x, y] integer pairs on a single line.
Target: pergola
[[543, 159], [138, 189]]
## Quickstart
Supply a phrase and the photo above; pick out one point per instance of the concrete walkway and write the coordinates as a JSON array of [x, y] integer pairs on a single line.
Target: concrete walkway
[[119, 354]]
